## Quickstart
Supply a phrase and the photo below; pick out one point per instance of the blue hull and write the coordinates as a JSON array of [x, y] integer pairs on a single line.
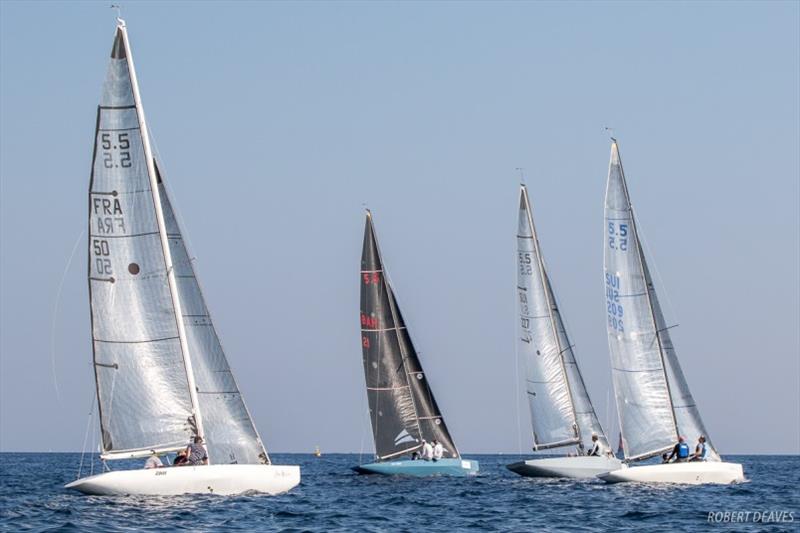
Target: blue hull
[[419, 468]]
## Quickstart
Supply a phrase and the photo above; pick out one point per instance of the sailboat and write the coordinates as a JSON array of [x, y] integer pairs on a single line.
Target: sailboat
[[402, 409], [654, 403], [562, 414], [161, 374]]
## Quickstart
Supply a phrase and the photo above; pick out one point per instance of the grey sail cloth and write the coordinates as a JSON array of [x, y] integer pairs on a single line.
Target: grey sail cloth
[[561, 411], [402, 408], [142, 386], [653, 400], [229, 432]]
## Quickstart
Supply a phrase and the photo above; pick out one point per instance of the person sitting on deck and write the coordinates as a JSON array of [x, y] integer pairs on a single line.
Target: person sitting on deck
[[438, 450], [414, 455], [427, 450], [680, 452], [700, 451], [180, 459], [598, 448], [153, 461], [196, 453]]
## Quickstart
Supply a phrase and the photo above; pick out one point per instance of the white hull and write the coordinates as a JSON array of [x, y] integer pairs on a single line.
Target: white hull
[[209, 479], [694, 473], [571, 467]]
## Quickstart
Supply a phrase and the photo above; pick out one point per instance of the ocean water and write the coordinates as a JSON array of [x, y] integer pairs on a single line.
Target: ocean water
[[332, 498]]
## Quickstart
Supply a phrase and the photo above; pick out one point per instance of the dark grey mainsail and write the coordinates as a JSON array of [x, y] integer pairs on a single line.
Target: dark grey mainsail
[[402, 408]]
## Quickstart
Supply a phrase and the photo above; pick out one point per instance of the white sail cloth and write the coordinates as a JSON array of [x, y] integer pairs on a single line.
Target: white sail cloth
[[653, 399], [140, 367], [561, 411]]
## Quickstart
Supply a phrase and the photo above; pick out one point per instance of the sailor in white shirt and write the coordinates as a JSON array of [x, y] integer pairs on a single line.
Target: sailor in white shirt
[[438, 450], [598, 448], [427, 450], [153, 461]]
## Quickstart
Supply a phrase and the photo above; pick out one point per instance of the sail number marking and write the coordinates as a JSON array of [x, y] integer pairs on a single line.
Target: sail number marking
[[614, 307], [119, 146], [618, 236], [525, 263], [524, 310]]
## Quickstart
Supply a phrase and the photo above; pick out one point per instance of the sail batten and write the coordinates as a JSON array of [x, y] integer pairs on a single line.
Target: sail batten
[[653, 400], [561, 411], [403, 410]]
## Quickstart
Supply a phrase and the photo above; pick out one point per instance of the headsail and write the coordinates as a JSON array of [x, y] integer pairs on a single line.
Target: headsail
[[142, 383], [561, 411], [402, 408], [653, 398], [230, 434]]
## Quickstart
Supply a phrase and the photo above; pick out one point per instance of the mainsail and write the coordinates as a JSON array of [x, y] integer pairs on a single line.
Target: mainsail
[[654, 403], [149, 320], [402, 408], [561, 410]]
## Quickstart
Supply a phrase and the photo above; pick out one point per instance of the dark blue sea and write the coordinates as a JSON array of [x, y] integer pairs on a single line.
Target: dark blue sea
[[332, 498]]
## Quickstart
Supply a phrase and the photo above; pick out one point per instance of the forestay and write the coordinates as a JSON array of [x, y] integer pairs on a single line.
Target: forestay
[[402, 408], [653, 398], [142, 383], [561, 410]]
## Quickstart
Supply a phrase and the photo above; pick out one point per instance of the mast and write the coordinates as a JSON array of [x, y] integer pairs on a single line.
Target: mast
[[393, 311], [162, 230], [648, 286], [546, 286]]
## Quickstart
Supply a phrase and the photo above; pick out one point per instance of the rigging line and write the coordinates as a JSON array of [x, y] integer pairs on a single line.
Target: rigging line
[[55, 312], [516, 371], [86, 434], [654, 264]]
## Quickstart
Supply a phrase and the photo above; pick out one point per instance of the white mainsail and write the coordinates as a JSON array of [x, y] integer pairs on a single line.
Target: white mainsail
[[653, 400], [561, 411], [160, 370]]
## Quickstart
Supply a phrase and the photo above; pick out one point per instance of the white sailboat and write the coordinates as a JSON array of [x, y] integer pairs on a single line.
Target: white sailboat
[[562, 414], [654, 403], [161, 374]]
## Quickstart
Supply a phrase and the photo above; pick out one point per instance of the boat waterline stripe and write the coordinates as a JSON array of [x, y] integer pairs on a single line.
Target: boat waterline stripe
[[389, 388], [113, 107], [370, 271]]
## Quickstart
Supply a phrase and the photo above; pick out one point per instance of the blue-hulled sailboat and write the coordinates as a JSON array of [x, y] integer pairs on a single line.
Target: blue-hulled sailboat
[[402, 409]]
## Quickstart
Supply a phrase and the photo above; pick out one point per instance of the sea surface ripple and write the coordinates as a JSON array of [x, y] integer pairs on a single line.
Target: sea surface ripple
[[333, 498]]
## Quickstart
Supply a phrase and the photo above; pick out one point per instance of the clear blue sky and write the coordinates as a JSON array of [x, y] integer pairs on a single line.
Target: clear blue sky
[[276, 121]]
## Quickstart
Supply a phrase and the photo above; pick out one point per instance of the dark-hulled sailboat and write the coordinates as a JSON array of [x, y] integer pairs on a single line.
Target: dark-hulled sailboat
[[403, 411]]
